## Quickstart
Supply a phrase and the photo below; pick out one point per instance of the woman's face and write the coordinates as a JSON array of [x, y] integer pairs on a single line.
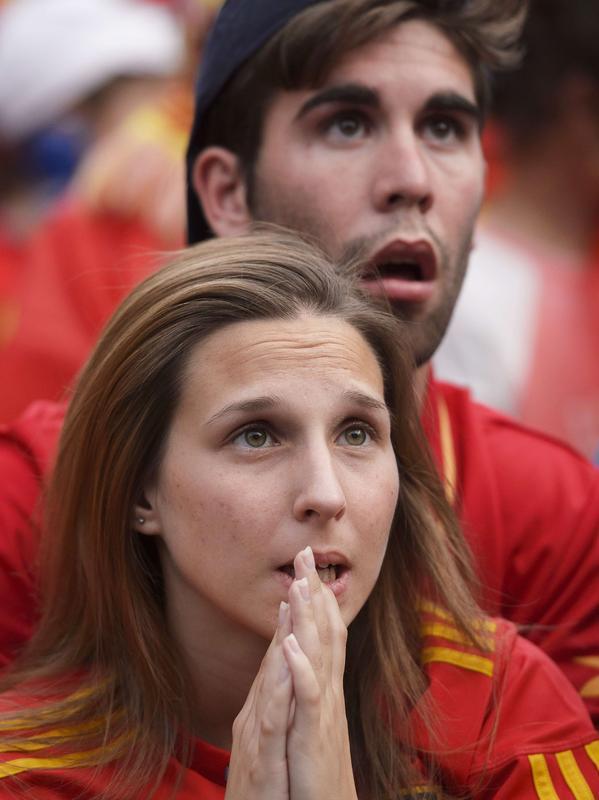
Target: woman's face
[[281, 440]]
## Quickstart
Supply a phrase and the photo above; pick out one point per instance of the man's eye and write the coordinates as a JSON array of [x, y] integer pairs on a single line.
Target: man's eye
[[445, 129], [348, 125], [254, 438], [356, 436]]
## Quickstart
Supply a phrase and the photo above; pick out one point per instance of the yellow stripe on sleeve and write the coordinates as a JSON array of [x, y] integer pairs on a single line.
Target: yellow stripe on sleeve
[[42, 740], [592, 751], [458, 659], [428, 607], [18, 765], [95, 757], [450, 468], [451, 634], [590, 689], [573, 776], [541, 778]]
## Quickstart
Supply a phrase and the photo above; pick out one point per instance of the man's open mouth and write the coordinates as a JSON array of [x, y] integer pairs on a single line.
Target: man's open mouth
[[408, 261]]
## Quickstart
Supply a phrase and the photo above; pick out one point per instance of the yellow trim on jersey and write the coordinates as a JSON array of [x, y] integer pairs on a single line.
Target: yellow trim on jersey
[[452, 634], [448, 456], [541, 778], [573, 776], [52, 714], [432, 608], [457, 658], [18, 765], [418, 791], [41, 740], [592, 750], [590, 688], [95, 757], [588, 661]]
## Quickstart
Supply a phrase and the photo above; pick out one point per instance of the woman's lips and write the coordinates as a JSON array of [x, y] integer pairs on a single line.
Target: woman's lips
[[337, 585]]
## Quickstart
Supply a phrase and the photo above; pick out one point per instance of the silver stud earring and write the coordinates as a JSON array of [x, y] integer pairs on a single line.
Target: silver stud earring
[[141, 520]]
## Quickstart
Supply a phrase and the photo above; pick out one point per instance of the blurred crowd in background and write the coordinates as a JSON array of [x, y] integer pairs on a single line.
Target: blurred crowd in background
[[95, 106]]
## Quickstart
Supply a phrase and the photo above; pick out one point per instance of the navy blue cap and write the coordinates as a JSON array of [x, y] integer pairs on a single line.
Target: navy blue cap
[[240, 30]]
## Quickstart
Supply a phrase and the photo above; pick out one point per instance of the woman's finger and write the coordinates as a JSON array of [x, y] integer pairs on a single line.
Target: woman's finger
[[337, 632], [305, 567], [306, 690], [272, 665], [303, 623], [258, 767]]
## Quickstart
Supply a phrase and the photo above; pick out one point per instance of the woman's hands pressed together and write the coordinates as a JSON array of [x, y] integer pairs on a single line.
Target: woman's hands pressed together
[[258, 768], [291, 740], [318, 754]]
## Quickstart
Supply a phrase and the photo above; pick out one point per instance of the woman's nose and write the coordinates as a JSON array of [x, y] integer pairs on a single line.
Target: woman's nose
[[320, 494]]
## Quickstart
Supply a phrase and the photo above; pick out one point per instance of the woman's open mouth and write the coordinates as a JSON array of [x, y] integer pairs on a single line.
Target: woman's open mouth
[[328, 573], [333, 575]]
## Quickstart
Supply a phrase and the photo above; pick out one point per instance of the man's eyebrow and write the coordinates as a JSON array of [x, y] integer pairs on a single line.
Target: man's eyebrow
[[349, 93], [255, 405], [365, 400], [453, 101]]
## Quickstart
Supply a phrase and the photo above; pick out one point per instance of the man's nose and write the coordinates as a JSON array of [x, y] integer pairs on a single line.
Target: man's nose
[[320, 495], [403, 177]]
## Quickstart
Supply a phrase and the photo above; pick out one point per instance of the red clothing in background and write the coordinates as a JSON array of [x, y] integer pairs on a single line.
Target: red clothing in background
[[75, 271], [10, 287]]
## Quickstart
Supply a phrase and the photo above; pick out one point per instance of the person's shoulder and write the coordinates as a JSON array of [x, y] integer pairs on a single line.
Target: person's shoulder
[[502, 708], [42, 755], [536, 724], [507, 442], [49, 752], [461, 675]]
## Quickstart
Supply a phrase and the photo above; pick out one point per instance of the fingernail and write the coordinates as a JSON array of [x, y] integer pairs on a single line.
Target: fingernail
[[304, 588], [308, 557], [283, 609], [293, 643]]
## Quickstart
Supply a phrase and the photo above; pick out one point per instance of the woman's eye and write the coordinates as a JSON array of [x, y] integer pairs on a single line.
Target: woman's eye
[[355, 436], [254, 438]]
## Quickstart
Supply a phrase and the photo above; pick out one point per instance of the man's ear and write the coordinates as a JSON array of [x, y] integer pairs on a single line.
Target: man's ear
[[219, 183], [145, 516]]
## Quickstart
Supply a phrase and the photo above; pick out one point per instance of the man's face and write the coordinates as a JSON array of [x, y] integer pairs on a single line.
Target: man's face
[[385, 160]]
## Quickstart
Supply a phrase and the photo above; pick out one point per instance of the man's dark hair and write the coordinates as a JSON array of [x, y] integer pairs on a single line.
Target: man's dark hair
[[312, 40], [561, 41]]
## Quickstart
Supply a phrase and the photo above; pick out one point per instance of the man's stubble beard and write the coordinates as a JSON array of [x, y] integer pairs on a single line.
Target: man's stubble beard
[[426, 334]]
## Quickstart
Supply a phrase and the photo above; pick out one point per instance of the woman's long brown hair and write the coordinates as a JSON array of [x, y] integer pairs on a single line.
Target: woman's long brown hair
[[102, 666]]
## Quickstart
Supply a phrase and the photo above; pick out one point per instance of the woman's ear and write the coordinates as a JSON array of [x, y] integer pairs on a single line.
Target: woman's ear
[[146, 518], [220, 186]]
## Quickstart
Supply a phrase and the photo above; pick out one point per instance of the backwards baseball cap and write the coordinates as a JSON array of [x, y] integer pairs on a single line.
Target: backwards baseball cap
[[240, 30]]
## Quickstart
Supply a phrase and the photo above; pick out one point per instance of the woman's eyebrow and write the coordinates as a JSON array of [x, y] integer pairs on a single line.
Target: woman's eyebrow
[[365, 400], [255, 405], [348, 93]]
